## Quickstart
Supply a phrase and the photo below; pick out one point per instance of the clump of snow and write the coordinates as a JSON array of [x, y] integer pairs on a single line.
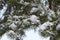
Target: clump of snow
[[26, 3], [58, 27], [26, 22], [42, 13], [7, 37], [13, 26], [43, 1], [15, 17], [58, 12], [3, 10], [42, 10], [34, 10], [34, 19], [51, 14], [45, 25], [2, 17], [18, 17], [34, 4], [1, 26], [11, 32], [33, 35], [21, 1]]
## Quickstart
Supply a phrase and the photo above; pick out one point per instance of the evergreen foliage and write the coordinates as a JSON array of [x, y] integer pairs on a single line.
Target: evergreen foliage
[[21, 17]]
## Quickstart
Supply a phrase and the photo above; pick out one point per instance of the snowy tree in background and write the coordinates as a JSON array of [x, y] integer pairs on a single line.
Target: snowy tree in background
[[21, 15]]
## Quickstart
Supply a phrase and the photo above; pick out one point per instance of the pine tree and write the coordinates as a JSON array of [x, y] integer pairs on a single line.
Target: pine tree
[[27, 13]]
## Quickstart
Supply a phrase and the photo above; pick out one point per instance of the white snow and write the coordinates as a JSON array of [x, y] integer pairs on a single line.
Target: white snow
[[34, 19], [15, 17], [3, 10], [7, 37], [45, 25], [51, 14], [11, 32], [44, 2], [13, 26], [30, 35], [33, 35], [26, 3], [58, 11], [26, 22], [58, 27], [34, 9]]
